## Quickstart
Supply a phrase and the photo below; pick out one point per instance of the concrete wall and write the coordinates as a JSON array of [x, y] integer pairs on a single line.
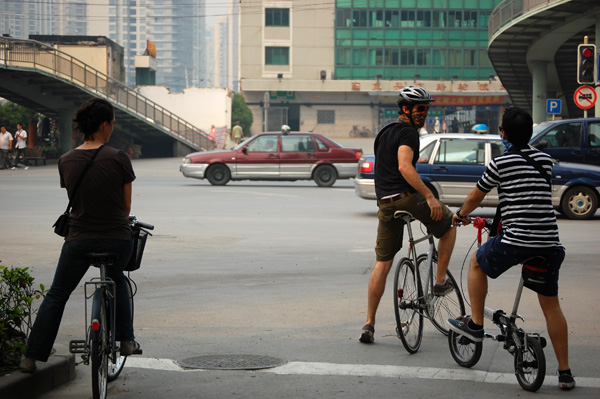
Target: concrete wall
[[309, 37], [200, 106]]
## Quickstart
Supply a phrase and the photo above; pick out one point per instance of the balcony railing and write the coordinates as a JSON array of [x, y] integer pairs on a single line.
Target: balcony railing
[[42, 57], [509, 10]]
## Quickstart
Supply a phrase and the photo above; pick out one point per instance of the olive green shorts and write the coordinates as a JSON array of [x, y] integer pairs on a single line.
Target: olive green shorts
[[390, 231]]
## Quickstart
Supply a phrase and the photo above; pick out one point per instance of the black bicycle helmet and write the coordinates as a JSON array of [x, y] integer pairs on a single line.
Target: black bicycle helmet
[[412, 95]]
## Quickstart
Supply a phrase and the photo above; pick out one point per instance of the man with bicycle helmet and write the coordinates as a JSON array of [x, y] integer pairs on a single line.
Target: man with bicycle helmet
[[399, 187]]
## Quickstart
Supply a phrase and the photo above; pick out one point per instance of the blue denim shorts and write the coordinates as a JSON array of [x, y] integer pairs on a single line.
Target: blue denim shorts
[[495, 258]]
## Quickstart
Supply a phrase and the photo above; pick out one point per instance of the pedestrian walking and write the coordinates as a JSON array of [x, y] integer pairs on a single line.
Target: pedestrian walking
[[21, 137], [6, 141]]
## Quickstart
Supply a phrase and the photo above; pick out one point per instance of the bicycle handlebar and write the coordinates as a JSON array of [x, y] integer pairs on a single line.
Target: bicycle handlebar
[[134, 222], [143, 225]]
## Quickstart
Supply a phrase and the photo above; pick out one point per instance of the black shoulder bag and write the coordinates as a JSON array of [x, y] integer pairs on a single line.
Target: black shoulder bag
[[496, 224], [61, 226]]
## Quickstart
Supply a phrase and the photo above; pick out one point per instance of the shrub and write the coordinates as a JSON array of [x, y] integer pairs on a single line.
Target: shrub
[[17, 294]]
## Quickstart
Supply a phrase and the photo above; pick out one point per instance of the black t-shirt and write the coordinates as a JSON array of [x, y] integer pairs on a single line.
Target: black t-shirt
[[98, 208], [388, 179]]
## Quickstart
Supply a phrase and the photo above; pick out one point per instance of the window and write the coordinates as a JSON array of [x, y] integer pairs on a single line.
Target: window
[[498, 148], [594, 134], [263, 144], [359, 19], [277, 56], [461, 152], [392, 19], [326, 117], [425, 153], [297, 144], [564, 136], [277, 17], [321, 145], [344, 19]]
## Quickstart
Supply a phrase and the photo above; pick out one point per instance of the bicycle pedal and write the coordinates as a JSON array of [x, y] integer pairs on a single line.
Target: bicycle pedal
[[77, 346], [137, 352]]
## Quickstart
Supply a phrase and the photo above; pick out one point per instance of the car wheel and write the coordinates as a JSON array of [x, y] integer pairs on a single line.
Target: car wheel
[[325, 176], [218, 175], [579, 203]]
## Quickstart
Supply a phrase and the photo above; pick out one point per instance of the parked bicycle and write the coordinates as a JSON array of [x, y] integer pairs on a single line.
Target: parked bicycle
[[526, 348], [99, 344], [413, 296], [356, 132]]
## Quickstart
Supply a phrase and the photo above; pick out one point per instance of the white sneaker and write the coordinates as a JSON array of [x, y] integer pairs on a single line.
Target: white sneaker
[[26, 167]]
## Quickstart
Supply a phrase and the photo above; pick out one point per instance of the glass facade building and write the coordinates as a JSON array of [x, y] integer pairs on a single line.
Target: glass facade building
[[408, 39]]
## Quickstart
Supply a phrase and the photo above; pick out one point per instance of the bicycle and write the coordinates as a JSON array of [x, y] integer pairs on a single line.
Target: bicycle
[[527, 348], [99, 344], [414, 300]]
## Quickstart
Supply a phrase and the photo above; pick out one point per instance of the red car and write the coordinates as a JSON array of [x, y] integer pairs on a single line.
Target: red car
[[276, 156]]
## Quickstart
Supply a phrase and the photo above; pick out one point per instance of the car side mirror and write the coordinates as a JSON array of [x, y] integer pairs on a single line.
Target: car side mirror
[[245, 150], [542, 144]]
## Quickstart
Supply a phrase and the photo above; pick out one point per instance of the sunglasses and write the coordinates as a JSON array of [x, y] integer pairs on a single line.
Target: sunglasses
[[421, 108]]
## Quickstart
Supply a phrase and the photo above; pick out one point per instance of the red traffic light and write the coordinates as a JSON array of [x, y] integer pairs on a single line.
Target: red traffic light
[[586, 64]]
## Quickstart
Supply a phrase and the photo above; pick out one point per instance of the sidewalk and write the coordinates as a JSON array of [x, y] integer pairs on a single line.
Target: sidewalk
[[58, 370]]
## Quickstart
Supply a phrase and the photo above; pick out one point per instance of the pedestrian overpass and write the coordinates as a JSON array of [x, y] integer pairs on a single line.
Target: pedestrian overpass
[[51, 82], [533, 48]]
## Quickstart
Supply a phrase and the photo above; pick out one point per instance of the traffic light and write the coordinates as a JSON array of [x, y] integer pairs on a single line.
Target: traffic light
[[586, 64]]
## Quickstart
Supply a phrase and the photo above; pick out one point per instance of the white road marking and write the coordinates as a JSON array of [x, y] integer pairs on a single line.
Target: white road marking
[[368, 370]]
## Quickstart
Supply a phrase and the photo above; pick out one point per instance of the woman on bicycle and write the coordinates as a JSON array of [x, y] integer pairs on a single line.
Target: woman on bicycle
[[98, 223]]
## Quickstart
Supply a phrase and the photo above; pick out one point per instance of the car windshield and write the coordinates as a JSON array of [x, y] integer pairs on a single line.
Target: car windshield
[[243, 143], [537, 129]]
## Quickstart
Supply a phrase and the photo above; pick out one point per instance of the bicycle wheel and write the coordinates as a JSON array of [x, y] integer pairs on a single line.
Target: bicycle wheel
[[441, 308], [465, 352], [530, 365], [99, 346], [115, 368], [407, 299]]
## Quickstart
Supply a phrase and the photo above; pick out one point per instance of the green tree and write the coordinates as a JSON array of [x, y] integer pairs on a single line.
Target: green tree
[[240, 112], [11, 114]]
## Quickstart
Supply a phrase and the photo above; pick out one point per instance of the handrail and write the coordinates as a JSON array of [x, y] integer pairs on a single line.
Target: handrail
[[43, 57], [509, 10]]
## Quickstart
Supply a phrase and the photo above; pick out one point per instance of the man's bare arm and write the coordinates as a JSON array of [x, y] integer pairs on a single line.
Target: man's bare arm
[[409, 172]]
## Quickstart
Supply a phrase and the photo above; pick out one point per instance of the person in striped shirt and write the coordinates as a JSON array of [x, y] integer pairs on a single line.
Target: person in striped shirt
[[529, 230]]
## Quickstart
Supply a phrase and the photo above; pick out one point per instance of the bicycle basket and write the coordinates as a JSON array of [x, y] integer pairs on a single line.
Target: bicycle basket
[[139, 242]]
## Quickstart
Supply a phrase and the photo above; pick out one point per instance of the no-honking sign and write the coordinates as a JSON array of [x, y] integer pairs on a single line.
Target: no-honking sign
[[585, 97]]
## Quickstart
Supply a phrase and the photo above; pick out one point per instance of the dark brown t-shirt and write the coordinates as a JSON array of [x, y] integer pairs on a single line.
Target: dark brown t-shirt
[[98, 208]]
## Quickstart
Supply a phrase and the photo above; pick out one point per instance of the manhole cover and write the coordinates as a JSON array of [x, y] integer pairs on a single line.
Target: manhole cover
[[231, 362]]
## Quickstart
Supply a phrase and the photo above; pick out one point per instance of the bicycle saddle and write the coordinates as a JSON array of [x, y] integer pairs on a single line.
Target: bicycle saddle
[[97, 258], [407, 216]]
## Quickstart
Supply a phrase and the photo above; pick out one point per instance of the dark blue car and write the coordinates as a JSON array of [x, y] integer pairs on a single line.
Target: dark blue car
[[569, 140]]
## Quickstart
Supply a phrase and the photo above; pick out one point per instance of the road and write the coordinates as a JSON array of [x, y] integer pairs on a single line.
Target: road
[[280, 269]]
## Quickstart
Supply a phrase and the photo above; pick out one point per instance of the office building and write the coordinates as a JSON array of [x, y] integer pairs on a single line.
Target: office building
[[331, 66]]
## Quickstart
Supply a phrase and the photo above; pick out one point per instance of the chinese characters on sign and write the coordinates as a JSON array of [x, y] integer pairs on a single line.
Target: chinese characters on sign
[[468, 100], [440, 87]]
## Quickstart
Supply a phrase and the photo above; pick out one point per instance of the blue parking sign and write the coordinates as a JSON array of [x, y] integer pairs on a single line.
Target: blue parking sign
[[553, 106]]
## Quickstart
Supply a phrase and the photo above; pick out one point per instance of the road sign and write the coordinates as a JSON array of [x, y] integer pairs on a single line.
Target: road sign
[[553, 106], [585, 97]]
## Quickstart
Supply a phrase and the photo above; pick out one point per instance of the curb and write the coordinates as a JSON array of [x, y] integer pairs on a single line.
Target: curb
[[58, 370]]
